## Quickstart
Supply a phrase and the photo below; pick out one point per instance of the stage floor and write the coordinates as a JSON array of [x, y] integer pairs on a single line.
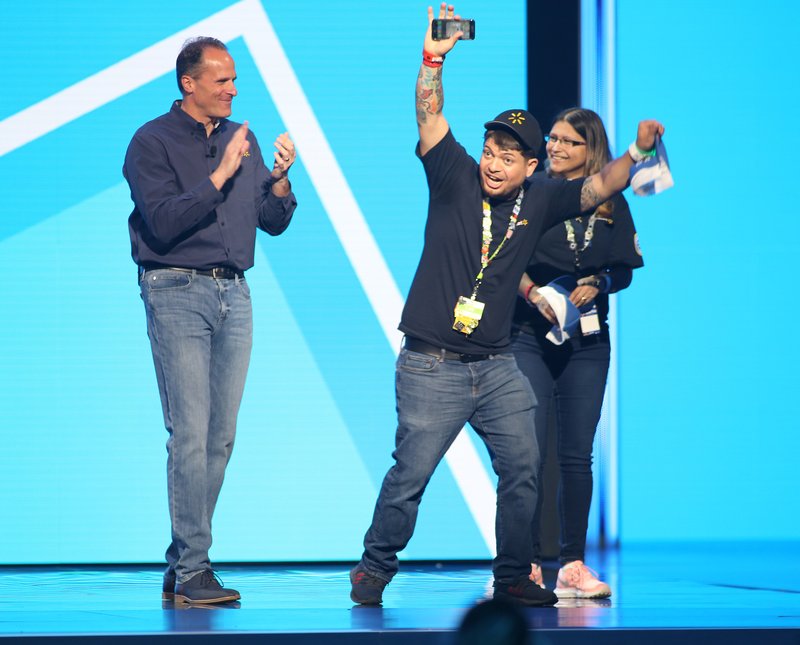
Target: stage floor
[[662, 594]]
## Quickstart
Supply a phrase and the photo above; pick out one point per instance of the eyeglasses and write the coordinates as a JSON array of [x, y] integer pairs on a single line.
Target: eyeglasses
[[566, 143]]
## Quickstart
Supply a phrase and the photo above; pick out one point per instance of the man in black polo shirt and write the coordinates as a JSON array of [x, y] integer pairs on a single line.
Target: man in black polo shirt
[[200, 189], [455, 367]]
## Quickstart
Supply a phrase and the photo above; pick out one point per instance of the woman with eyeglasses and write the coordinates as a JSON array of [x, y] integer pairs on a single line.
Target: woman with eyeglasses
[[597, 255]]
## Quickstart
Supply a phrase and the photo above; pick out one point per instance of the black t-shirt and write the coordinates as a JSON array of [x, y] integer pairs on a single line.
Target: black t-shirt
[[451, 256], [613, 242]]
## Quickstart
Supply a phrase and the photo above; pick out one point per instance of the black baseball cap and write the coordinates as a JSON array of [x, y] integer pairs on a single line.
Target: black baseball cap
[[520, 123]]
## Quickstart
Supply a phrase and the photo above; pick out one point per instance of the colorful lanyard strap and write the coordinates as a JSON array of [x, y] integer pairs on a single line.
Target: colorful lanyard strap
[[487, 236]]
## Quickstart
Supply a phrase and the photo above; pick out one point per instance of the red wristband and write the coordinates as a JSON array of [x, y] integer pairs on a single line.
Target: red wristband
[[528, 292], [431, 60]]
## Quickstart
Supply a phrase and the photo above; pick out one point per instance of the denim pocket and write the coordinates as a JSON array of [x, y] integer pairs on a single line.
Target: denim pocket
[[166, 279], [243, 287], [416, 362]]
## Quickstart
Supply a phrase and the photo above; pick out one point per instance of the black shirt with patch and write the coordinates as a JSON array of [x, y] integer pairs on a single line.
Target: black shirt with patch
[[451, 256]]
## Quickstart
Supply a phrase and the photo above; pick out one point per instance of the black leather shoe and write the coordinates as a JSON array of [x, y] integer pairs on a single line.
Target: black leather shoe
[[205, 588], [524, 592]]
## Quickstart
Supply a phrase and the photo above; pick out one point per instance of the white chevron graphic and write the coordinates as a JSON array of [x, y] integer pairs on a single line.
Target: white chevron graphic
[[249, 20]]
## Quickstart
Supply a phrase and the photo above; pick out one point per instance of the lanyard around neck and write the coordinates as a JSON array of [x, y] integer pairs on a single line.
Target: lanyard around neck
[[487, 236], [587, 238]]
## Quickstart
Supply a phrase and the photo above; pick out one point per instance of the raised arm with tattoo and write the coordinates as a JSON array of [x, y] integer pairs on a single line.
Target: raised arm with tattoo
[[430, 95]]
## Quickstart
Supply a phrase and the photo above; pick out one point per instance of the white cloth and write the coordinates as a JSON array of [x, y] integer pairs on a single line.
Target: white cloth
[[567, 314], [651, 176]]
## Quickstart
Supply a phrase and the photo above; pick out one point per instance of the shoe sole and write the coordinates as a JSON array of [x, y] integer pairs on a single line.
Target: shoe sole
[[373, 603], [577, 593], [527, 602], [179, 599]]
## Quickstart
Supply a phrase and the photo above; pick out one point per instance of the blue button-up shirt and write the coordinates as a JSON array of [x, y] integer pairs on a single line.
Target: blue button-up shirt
[[179, 218]]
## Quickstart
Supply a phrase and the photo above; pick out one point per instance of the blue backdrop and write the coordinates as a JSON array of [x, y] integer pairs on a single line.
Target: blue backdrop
[[709, 432], [82, 474], [708, 436]]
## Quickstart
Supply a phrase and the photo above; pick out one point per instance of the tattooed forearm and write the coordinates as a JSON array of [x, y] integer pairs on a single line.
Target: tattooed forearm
[[589, 196], [430, 96]]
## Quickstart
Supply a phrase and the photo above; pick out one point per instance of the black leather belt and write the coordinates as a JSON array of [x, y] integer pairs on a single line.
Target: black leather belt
[[416, 345], [223, 273]]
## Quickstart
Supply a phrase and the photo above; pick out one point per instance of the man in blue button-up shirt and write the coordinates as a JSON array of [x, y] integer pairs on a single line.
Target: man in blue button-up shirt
[[200, 189]]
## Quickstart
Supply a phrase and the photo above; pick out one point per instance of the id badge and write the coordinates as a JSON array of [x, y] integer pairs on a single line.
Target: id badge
[[468, 314], [590, 322]]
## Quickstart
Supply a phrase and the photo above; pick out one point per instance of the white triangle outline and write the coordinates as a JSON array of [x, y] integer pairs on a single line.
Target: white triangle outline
[[249, 20]]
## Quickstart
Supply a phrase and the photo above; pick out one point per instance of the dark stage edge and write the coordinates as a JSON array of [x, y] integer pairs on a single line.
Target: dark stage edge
[[678, 593]]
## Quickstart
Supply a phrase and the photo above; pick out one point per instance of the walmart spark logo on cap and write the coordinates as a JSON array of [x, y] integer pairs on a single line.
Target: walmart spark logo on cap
[[520, 123]]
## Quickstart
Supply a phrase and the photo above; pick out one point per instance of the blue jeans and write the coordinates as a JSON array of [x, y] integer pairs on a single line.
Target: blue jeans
[[573, 376], [200, 331], [435, 398]]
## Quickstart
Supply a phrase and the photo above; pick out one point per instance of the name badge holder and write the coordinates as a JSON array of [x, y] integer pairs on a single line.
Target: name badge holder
[[468, 312], [590, 322]]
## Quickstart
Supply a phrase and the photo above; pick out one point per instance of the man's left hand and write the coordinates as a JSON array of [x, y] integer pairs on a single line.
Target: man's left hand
[[285, 155]]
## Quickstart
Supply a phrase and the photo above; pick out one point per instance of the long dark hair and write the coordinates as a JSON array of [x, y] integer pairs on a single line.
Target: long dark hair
[[589, 126]]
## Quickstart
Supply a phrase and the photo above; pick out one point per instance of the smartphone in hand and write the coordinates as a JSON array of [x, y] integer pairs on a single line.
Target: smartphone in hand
[[443, 28]]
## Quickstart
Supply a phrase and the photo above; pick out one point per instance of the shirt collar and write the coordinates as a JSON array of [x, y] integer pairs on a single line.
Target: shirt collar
[[192, 125]]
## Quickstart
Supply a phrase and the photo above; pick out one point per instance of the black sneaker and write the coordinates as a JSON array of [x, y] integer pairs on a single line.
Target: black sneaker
[[205, 588], [524, 592], [367, 589], [168, 586]]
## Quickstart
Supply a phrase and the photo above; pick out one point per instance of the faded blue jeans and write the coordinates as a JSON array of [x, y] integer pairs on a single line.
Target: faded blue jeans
[[435, 398], [200, 331]]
